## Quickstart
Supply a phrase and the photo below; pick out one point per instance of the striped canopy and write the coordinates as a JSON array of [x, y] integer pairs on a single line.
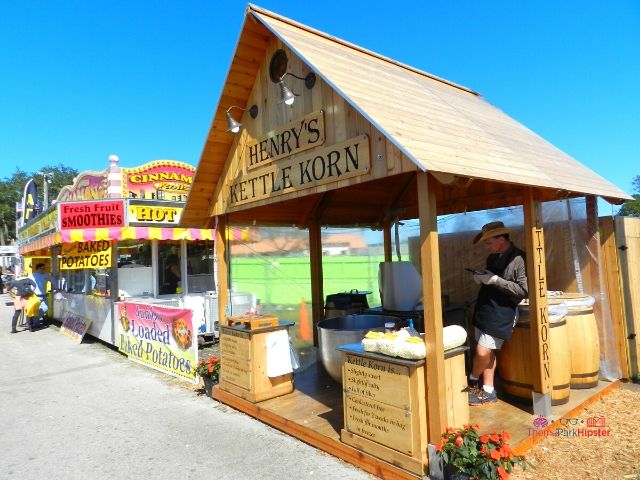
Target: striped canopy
[[119, 233]]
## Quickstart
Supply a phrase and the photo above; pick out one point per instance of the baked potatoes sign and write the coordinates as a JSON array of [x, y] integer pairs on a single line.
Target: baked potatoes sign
[[92, 254], [160, 337]]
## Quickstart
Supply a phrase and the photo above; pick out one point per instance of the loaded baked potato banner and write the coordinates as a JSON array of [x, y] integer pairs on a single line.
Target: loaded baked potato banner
[[161, 337]]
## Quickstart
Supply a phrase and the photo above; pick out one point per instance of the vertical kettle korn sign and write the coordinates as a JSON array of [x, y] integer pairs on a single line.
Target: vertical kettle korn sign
[[289, 159]]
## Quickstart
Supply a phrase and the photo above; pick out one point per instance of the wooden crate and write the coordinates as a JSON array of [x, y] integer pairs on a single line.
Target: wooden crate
[[243, 364], [253, 322]]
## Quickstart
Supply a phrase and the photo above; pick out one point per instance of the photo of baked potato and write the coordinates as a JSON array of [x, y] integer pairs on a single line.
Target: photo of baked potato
[[182, 333], [124, 320]]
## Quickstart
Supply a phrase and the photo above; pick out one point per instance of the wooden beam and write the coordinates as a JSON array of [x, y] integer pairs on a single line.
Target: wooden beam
[[386, 234], [538, 313], [315, 258], [223, 268], [430, 265], [595, 260]]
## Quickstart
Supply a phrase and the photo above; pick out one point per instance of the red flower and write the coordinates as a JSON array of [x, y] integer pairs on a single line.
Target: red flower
[[505, 451], [495, 438], [494, 454], [506, 436], [484, 439], [451, 430], [459, 441], [483, 449], [502, 473], [439, 447]]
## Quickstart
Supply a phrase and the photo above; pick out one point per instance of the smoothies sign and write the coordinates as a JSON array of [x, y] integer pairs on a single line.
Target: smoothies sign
[[98, 214], [161, 337]]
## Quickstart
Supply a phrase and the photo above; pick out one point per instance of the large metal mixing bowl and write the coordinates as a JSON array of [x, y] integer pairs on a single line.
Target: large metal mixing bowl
[[337, 331]]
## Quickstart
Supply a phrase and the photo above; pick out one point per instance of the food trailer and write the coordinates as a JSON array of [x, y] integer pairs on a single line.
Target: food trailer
[[112, 241], [312, 131]]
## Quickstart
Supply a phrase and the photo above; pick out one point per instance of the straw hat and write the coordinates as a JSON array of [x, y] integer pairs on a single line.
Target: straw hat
[[489, 230]]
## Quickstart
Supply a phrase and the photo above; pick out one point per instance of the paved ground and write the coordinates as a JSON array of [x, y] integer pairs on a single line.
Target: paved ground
[[70, 411]]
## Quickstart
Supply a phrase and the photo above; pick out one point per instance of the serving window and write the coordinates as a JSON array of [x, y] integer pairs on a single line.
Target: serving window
[[135, 271]]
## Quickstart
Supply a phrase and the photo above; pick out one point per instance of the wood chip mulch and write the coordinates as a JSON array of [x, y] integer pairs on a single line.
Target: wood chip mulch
[[612, 456]]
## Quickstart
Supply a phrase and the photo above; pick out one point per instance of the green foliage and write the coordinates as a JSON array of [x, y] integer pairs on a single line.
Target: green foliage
[[632, 207], [12, 188]]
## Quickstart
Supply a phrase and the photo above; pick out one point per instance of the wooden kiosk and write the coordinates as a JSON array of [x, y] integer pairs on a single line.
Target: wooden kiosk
[[243, 358], [367, 141], [384, 408]]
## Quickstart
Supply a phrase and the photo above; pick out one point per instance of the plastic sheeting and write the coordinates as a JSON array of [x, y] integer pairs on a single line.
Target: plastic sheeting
[[573, 263]]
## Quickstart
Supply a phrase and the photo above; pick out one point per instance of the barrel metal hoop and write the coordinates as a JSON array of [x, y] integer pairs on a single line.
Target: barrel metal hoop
[[585, 375]]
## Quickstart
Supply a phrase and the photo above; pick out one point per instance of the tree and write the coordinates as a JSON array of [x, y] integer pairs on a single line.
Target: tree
[[632, 207], [12, 188]]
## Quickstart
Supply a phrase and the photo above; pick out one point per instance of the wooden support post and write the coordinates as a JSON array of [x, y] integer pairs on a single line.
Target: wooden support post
[[538, 313], [430, 266], [223, 268], [315, 258], [594, 260], [386, 233]]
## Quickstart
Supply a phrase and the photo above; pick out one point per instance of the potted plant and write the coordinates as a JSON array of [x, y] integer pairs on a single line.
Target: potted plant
[[209, 370], [468, 454]]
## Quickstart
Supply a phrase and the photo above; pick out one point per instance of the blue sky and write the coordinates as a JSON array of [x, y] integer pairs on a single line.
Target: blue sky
[[80, 80]]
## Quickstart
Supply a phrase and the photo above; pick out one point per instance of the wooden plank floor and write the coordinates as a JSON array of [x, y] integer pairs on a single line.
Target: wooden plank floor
[[313, 412]]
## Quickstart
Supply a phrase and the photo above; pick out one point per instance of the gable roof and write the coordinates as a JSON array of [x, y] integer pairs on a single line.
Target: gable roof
[[440, 126]]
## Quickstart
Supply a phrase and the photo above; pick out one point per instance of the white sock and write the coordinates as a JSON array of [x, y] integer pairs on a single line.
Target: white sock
[[488, 388]]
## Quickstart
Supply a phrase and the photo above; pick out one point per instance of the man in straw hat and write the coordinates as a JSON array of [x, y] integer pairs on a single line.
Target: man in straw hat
[[503, 287]]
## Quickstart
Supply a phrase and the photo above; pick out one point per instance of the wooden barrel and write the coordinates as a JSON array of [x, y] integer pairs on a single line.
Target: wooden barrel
[[584, 339], [516, 369]]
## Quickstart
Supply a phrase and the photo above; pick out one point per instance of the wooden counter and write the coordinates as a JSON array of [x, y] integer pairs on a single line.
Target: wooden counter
[[243, 363], [384, 404]]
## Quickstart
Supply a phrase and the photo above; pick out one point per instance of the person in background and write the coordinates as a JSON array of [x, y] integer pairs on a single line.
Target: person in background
[[41, 278], [172, 274], [1, 281], [25, 288], [503, 287]]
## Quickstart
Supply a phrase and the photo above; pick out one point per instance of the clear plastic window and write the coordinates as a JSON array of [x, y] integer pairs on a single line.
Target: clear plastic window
[[200, 271], [169, 272]]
